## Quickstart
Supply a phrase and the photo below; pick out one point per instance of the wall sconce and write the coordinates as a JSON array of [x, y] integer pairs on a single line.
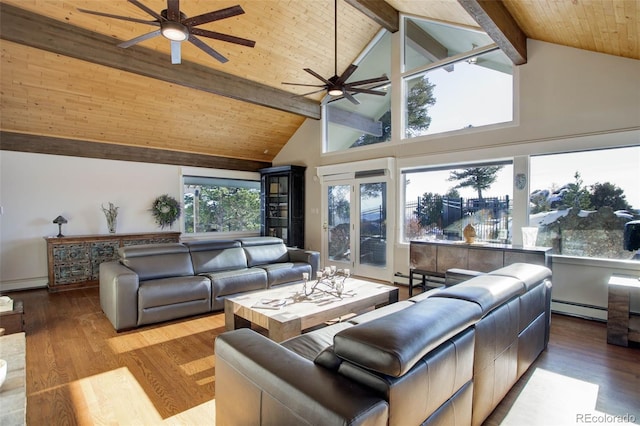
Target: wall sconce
[[60, 220]]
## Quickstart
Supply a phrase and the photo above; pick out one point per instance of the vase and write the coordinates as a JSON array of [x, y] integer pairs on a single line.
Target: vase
[[111, 224], [469, 233]]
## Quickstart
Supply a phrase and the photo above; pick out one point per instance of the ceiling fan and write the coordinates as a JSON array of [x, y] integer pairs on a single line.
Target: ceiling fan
[[337, 87], [177, 27]]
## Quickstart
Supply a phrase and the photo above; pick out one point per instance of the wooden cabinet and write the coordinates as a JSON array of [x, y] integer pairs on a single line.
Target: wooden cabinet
[[436, 257], [74, 261], [282, 204]]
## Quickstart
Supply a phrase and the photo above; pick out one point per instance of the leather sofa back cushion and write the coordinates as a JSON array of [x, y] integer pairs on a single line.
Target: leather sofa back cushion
[[529, 274], [263, 254], [488, 291], [156, 261], [214, 257], [392, 344]]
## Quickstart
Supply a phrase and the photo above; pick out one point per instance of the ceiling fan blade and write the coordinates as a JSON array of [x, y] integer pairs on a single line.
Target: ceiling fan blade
[[307, 85], [368, 91], [309, 93], [213, 16], [146, 9], [123, 18], [173, 10], [199, 43], [224, 37], [176, 55], [138, 39], [383, 79], [318, 76], [351, 98], [346, 74]]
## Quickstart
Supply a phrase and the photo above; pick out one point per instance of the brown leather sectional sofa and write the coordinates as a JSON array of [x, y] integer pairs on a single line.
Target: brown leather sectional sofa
[[159, 282], [445, 357]]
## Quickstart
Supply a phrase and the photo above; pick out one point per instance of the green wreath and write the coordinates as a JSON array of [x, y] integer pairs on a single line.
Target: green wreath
[[165, 210]]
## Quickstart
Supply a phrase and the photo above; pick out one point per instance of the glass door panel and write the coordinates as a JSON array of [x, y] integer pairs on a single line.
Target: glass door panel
[[373, 224], [339, 223]]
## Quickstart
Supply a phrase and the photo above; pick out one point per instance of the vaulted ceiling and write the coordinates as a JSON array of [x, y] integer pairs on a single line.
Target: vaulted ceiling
[[67, 88]]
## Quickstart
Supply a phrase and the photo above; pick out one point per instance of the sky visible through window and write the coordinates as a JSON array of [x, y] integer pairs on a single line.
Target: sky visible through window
[[462, 102]]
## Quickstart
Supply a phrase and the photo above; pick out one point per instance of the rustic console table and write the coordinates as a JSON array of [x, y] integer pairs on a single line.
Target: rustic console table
[[74, 261], [434, 258]]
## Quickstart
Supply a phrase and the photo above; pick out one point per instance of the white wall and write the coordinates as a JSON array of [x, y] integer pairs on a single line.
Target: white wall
[[36, 188], [567, 99]]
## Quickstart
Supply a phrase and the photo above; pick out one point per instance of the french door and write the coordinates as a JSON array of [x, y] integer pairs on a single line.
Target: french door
[[355, 227]]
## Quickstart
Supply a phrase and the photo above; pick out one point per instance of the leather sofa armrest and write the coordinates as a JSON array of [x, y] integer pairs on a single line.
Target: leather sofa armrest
[[119, 294], [308, 256], [261, 382]]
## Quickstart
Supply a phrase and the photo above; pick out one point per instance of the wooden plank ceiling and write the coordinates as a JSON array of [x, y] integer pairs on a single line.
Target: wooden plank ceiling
[[54, 94]]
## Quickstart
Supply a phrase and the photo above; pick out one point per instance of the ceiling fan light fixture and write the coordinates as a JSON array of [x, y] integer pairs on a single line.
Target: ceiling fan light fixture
[[335, 91], [174, 31]]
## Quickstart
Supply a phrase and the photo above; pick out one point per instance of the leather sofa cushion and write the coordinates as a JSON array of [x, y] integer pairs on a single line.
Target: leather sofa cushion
[[488, 291], [310, 345], [264, 250], [433, 380], [392, 344], [169, 291], [377, 313], [225, 283], [156, 261], [285, 273], [214, 256], [529, 274]]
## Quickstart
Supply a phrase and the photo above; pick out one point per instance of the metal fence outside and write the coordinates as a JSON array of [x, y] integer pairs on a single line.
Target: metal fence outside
[[489, 216]]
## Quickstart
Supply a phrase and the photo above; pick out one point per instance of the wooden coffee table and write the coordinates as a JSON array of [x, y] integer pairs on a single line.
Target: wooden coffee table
[[300, 313]]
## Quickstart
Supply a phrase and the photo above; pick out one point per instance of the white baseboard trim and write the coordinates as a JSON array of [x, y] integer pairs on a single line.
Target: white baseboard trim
[[23, 284]]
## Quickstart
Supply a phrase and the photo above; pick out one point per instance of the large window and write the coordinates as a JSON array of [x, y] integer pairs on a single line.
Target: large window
[[221, 205], [440, 202], [454, 78], [581, 201]]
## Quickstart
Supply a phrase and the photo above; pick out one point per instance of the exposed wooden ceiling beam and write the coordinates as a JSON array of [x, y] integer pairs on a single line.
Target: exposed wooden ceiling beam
[[354, 121], [22, 142], [421, 41], [495, 19], [380, 12], [27, 28]]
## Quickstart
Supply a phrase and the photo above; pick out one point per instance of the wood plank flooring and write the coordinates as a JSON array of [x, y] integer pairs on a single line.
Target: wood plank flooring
[[80, 371]]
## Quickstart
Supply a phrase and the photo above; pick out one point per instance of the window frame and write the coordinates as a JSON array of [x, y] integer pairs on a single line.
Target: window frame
[[407, 170], [215, 174]]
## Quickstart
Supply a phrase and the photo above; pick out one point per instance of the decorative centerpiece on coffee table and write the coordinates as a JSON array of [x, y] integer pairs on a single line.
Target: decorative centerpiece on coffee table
[[329, 281]]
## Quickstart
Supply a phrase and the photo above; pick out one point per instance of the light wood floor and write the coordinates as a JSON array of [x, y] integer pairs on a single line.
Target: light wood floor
[[80, 371]]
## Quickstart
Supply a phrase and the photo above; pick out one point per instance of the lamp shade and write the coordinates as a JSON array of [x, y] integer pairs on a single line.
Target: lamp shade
[[59, 220], [632, 235]]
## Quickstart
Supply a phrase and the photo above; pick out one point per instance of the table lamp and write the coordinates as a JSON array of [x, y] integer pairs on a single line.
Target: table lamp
[[60, 220]]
